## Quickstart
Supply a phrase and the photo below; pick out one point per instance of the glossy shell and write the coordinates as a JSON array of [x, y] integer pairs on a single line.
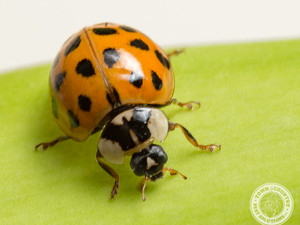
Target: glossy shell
[[101, 68]]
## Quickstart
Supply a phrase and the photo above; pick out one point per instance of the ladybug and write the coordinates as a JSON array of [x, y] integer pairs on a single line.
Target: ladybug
[[113, 78]]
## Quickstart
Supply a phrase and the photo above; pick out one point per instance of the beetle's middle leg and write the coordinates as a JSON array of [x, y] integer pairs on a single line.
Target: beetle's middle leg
[[190, 105], [192, 140], [111, 172]]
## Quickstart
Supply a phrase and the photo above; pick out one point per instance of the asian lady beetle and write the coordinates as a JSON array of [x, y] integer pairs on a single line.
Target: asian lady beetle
[[114, 78]]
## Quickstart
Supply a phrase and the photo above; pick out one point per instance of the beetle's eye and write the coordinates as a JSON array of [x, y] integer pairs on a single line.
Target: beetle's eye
[[149, 162]]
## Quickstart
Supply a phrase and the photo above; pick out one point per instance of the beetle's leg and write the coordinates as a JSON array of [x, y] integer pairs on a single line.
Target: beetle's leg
[[144, 181], [111, 172], [190, 105], [175, 52], [45, 145], [192, 140], [173, 172], [143, 185]]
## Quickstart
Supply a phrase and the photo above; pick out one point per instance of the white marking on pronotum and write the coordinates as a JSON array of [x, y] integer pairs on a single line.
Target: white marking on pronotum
[[158, 125], [150, 163], [111, 151], [118, 120]]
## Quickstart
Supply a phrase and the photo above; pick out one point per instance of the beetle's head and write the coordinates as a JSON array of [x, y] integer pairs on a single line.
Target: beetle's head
[[149, 162]]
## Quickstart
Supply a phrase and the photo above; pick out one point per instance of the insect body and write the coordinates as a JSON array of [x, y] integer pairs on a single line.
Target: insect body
[[114, 78]]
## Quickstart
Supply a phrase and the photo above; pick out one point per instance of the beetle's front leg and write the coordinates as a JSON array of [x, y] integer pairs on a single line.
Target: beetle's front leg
[[111, 172], [192, 140], [173, 172], [145, 180], [143, 185]]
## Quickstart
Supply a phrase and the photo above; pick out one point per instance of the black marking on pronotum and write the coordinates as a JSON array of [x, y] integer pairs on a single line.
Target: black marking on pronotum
[[73, 119], [139, 123], [138, 43], [84, 103], [162, 59], [157, 82], [120, 133], [136, 79], [58, 80], [109, 116], [54, 107], [104, 31], [85, 68], [73, 45], [128, 29], [111, 56]]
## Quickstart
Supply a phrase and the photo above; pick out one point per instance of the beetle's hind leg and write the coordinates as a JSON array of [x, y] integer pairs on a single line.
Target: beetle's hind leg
[[175, 52], [111, 172], [191, 104], [192, 140], [45, 145]]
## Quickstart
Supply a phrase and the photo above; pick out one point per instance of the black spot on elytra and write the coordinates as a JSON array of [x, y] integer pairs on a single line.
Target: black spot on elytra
[[157, 82], [114, 100], [58, 80], [120, 133], [138, 43], [73, 119], [128, 29], [84, 103], [54, 107], [109, 99], [117, 96], [136, 79], [73, 45], [162, 59], [111, 56], [85, 68], [104, 31]]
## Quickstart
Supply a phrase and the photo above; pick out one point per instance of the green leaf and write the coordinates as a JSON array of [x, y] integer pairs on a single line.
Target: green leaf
[[250, 103]]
